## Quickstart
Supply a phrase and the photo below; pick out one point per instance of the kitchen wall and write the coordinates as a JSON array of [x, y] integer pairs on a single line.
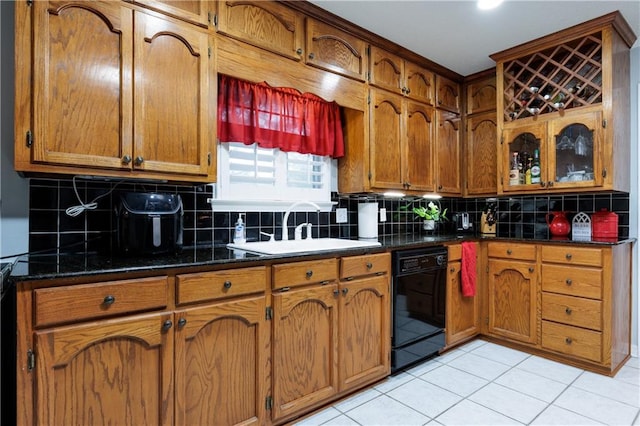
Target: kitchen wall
[[14, 190], [51, 229], [635, 184]]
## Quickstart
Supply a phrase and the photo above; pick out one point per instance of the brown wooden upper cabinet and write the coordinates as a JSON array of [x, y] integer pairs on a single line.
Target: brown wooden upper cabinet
[[393, 73], [561, 94], [481, 96], [447, 155], [448, 94], [115, 91], [334, 50], [480, 154], [199, 12], [401, 145], [266, 24]]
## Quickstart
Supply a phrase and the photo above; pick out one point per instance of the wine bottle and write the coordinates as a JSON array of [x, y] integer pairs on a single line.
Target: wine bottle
[[535, 167], [527, 173], [514, 172]]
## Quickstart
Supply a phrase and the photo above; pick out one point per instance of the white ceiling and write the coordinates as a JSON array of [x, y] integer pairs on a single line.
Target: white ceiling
[[459, 36]]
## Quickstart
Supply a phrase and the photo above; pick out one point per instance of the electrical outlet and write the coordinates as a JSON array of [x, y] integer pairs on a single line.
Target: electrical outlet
[[341, 215], [383, 214]]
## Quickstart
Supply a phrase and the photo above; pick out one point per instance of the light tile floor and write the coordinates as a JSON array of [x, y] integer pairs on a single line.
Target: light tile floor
[[482, 383]]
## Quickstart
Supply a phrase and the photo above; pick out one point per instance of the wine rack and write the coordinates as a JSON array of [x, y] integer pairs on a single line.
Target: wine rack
[[567, 75]]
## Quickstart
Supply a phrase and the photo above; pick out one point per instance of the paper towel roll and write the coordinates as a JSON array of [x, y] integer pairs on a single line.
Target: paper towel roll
[[368, 221]]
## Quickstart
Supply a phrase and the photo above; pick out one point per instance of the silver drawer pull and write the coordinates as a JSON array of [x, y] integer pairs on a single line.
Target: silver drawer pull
[[568, 256], [109, 300], [568, 340], [568, 311], [227, 284], [568, 281], [309, 273]]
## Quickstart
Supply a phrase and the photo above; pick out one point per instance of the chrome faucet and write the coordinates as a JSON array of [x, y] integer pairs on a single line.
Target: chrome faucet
[[285, 219]]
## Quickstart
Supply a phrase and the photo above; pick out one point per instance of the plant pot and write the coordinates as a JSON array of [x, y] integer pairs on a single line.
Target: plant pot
[[429, 225]]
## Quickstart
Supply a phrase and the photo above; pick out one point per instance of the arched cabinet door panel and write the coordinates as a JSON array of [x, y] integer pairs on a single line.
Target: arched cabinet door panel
[[82, 84], [172, 75], [106, 371], [513, 303], [305, 348]]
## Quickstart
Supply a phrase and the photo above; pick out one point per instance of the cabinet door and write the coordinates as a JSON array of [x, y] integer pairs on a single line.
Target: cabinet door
[[482, 154], [575, 152], [196, 11], [386, 70], [386, 140], [266, 24], [419, 83], [305, 348], [365, 331], [335, 50], [447, 94], [481, 96], [512, 300], [461, 312], [420, 122], [109, 372], [82, 83], [448, 153], [524, 139], [172, 72], [221, 366]]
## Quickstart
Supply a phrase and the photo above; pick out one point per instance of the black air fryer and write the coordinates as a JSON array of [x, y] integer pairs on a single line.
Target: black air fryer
[[148, 223]]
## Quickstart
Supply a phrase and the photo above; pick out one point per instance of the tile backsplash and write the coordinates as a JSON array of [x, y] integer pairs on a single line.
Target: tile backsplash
[[51, 229]]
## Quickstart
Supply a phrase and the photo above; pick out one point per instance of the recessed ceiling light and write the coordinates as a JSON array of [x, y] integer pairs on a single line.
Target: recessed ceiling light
[[488, 4]]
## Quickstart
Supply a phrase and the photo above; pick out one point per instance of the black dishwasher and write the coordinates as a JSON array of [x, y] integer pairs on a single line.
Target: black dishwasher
[[418, 305]]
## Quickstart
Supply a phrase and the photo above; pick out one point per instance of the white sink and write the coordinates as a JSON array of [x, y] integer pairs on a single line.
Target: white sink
[[301, 246]]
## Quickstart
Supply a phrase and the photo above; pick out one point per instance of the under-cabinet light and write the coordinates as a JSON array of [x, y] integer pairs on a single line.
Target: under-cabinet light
[[393, 194], [432, 196]]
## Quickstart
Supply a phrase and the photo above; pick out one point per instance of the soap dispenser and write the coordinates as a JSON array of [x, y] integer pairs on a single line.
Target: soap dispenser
[[239, 237]]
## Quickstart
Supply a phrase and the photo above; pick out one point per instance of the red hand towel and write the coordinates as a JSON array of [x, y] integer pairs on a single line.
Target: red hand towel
[[468, 269]]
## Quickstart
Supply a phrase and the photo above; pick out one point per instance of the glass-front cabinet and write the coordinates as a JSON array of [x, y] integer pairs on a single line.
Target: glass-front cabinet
[[565, 98], [556, 154]]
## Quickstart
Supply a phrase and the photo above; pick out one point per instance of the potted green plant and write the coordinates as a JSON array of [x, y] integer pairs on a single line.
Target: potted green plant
[[431, 214]]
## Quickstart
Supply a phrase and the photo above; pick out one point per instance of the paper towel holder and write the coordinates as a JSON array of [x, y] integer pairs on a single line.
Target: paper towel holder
[[368, 220]]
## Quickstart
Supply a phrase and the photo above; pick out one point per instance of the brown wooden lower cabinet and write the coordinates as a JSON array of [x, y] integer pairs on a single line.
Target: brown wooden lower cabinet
[[106, 372], [221, 352], [218, 349], [331, 337], [570, 302], [223, 348], [462, 313]]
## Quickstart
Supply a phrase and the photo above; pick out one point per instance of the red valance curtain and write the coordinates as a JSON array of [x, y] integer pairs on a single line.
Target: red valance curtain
[[280, 118]]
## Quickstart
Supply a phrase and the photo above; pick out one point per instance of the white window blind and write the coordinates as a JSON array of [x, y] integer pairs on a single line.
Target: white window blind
[[249, 172]]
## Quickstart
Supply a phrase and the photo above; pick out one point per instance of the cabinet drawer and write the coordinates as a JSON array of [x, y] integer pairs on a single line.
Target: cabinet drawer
[[512, 251], [455, 252], [572, 255], [584, 282], [572, 340], [354, 266], [89, 301], [220, 284], [302, 273], [572, 310]]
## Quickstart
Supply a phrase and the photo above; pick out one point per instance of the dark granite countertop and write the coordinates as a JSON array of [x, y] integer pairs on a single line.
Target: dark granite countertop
[[40, 267]]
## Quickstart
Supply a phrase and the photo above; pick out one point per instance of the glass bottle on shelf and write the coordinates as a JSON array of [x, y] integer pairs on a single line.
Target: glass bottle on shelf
[[527, 173], [514, 172], [535, 167]]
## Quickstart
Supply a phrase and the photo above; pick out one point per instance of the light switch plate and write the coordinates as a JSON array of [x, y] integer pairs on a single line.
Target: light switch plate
[[341, 215]]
